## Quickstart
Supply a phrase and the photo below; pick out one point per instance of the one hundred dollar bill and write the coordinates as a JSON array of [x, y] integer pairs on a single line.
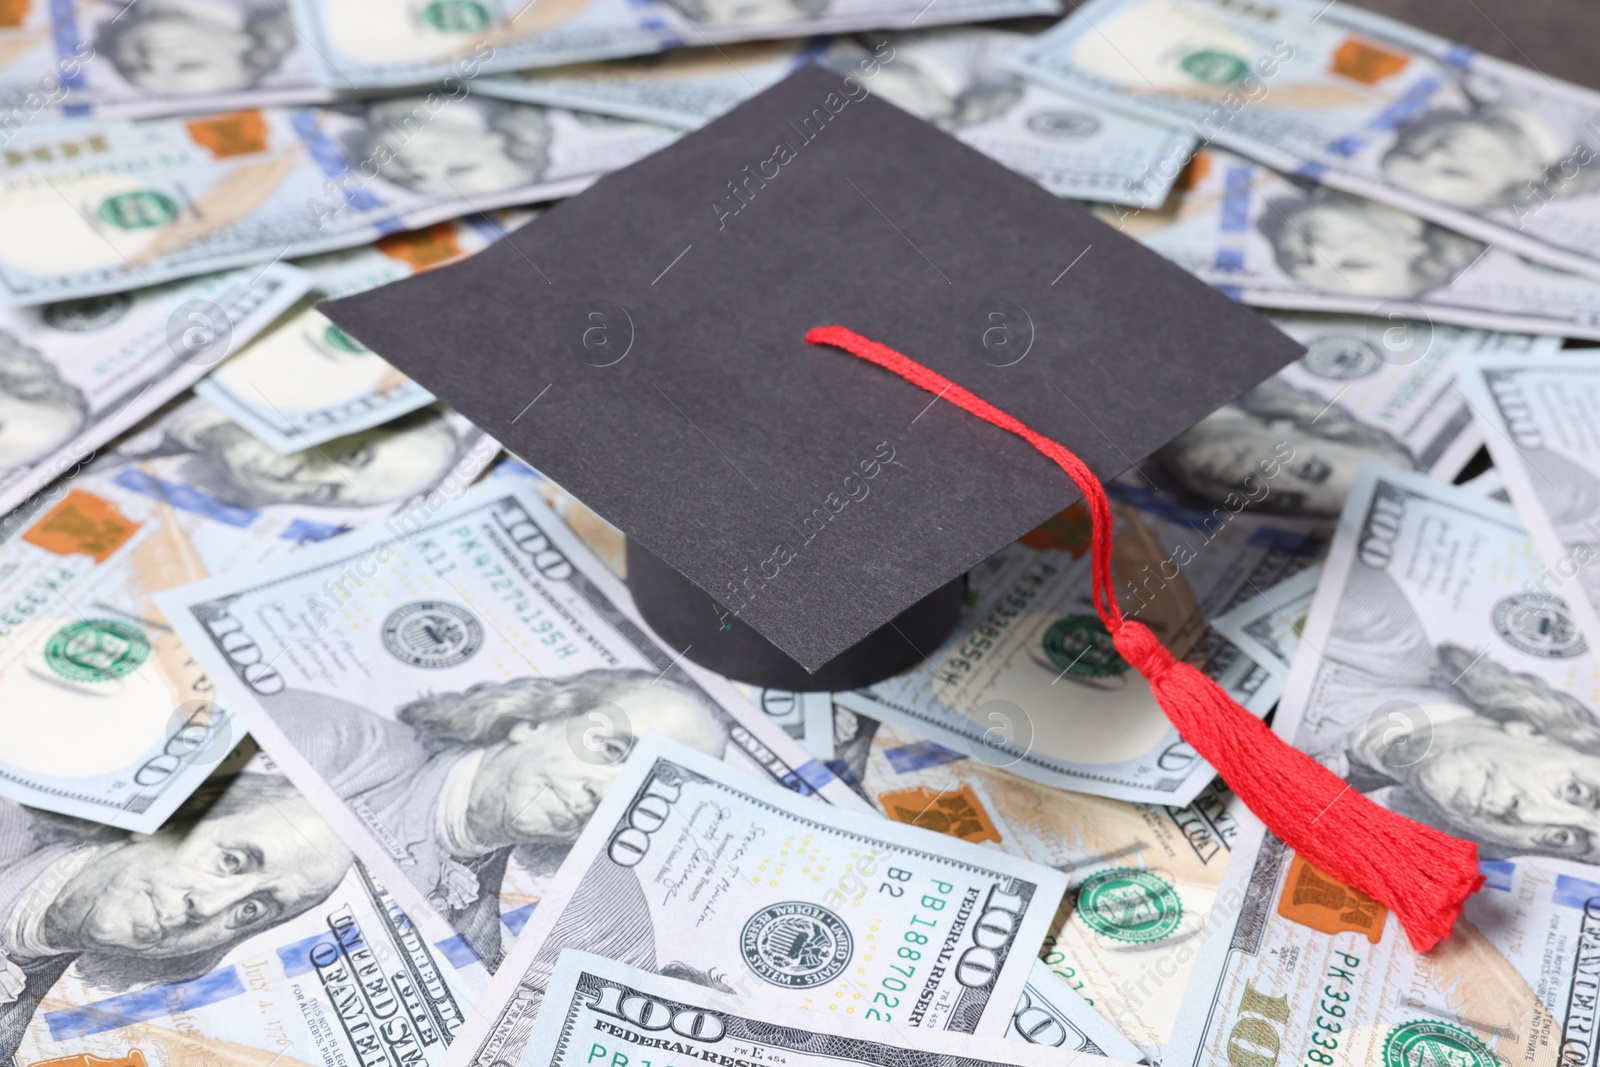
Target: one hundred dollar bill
[[1276, 242], [608, 543], [953, 78], [457, 690], [1142, 878], [75, 374], [243, 931], [1052, 1013], [1541, 419], [1366, 389], [1442, 674], [1049, 1015], [684, 88], [306, 381], [103, 206], [106, 58], [134, 724], [400, 255], [1298, 968], [1356, 102], [373, 43], [1267, 627], [1030, 679], [806, 717], [1491, 483], [692, 868], [602, 1010]]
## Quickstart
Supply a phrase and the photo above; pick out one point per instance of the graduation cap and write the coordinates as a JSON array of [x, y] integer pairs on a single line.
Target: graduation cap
[[670, 346]]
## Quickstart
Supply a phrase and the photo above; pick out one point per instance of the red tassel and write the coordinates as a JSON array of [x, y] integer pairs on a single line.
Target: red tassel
[[1422, 875]]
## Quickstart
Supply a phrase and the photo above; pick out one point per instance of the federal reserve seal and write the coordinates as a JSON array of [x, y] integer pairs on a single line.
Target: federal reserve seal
[[1081, 646], [87, 313], [796, 945], [1538, 625], [432, 634], [96, 650], [1063, 125], [1126, 904], [1341, 358], [1425, 1043]]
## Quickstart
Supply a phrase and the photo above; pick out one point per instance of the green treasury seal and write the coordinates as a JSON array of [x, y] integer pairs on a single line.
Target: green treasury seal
[[1126, 904], [1425, 1043], [96, 650], [1214, 67], [1081, 645], [796, 944]]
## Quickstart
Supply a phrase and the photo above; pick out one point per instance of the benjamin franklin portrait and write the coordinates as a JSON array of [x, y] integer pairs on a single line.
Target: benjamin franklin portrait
[[186, 46], [463, 783], [950, 80], [1337, 243], [464, 147], [39, 411], [130, 911], [1485, 156], [1472, 748], [1221, 454], [388, 464]]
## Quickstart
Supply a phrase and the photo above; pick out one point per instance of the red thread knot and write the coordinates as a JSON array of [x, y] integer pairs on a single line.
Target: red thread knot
[[1143, 650]]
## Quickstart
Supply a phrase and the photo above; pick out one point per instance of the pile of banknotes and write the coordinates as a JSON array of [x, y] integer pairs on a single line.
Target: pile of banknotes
[[301, 763]]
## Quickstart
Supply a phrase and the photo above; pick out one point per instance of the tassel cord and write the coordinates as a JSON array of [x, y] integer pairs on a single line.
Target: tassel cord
[[1421, 874]]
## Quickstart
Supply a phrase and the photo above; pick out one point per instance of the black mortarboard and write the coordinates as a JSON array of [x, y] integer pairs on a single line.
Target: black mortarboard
[[644, 345]]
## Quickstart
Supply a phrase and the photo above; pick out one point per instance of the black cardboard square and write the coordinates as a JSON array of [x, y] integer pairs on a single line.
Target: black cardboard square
[[643, 344]]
